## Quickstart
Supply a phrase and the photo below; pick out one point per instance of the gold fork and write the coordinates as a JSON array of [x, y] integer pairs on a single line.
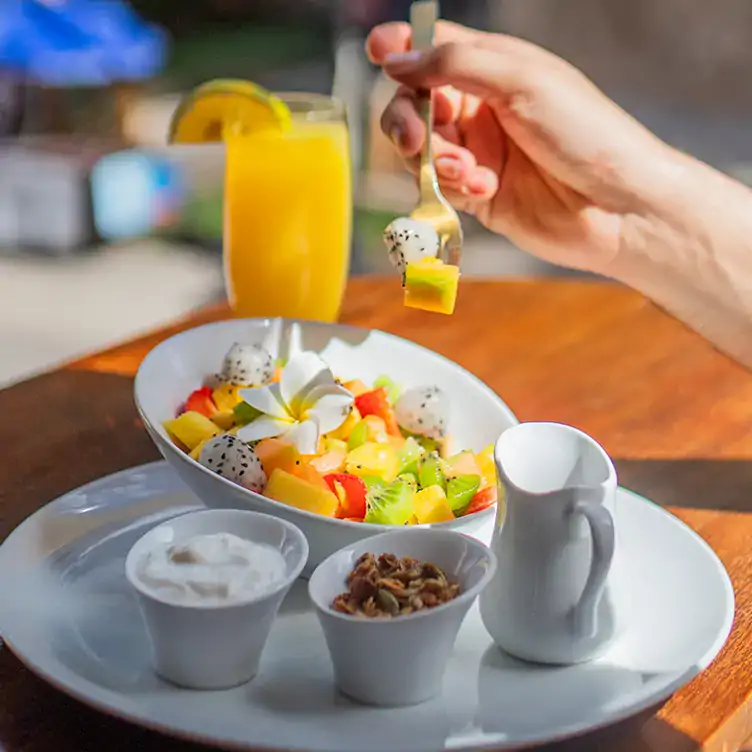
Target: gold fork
[[432, 206]]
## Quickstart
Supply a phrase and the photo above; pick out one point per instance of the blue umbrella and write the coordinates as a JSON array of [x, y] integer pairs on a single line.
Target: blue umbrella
[[78, 42], [135, 49]]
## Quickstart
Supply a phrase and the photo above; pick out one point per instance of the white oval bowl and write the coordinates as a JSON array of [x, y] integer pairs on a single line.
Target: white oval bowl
[[177, 366]]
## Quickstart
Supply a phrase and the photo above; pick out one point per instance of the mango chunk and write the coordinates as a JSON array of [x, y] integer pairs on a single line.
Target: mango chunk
[[356, 386], [275, 453], [430, 505], [463, 463], [301, 494], [226, 396], [225, 419], [310, 474], [331, 461], [343, 432], [190, 429], [487, 466], [431, 285], [195, 453], [379, 460]]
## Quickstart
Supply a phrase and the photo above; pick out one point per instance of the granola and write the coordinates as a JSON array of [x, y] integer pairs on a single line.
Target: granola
[[385, 587]]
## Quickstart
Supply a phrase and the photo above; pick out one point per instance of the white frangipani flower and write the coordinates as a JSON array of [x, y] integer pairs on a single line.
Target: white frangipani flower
[[306, 403]]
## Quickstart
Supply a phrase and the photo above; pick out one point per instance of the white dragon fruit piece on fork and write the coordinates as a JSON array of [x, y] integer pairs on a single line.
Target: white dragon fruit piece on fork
[[231, 458], [423, 411], [247, 365], [409, 240]]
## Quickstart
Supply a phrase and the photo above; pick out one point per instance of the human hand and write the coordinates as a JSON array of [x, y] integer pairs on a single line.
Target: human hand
[[525, 142]]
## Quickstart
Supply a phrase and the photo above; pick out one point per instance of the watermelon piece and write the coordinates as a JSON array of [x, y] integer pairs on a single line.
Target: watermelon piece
[[353, 499], [376, 402], [484, 499], [200, 401]]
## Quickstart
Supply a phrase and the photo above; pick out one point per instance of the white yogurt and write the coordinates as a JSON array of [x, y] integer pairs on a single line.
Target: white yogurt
[[215, 569]]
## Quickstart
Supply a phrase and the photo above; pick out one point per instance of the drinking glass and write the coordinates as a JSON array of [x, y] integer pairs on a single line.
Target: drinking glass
[[288, 214]]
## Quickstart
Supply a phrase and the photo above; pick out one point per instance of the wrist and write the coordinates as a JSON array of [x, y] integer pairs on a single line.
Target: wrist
[[689, 249]]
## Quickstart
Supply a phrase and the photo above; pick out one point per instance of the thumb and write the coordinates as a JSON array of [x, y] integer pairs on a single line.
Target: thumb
[[465, 66]]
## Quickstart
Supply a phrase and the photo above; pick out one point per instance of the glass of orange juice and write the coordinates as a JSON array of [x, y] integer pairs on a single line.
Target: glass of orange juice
[[288, 214]]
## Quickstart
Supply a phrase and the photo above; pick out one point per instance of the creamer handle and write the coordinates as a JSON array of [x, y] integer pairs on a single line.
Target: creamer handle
[[584, 614]]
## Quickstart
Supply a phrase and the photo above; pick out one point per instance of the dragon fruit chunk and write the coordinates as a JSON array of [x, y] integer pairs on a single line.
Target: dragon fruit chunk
[[229, 457], [410, 240], [423, 411], [247, 365]]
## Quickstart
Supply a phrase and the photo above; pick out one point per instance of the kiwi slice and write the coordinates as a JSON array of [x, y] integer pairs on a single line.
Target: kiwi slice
[[409, 455], [373, 481], [243, 414], [460, 491], [430, 472], [392, 390], [410, 478], [358, 436], [430, 445], [392, 505]]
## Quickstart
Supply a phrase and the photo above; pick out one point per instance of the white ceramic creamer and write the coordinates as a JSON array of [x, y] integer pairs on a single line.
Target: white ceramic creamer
[[554, 597]]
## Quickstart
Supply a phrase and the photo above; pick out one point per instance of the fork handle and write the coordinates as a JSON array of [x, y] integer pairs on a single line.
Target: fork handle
[[428, 179], [423, 15]]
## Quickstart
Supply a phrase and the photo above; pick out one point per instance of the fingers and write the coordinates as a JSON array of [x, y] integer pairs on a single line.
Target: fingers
[[458, 172], [404, 126], [402, 123], [453, 162], [396, 37], [472, 195], [466, 67], [475, 187], [456, 166]]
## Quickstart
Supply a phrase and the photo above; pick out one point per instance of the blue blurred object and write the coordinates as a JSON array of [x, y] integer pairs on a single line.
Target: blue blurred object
[[78, 42], [135, 193], [135, 50]]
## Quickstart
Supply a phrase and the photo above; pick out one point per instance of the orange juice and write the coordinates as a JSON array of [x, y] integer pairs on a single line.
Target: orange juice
[[288, 214]]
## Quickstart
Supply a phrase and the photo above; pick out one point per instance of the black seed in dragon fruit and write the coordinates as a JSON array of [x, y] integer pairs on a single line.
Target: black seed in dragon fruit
[[423, 411], [410, 240], [247, 365], [231, 458]]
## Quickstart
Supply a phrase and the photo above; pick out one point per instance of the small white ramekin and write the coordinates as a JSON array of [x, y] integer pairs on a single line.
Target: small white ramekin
[[400, 661], [208, 646]]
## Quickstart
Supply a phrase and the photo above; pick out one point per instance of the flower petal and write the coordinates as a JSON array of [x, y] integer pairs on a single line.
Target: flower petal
[[301, 374], [326, 390], [263, 428], [304, 435], [267, 399], [329, 405]]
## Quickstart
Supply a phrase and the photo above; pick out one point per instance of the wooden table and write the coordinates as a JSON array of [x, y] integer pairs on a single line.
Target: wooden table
[[676, 414]]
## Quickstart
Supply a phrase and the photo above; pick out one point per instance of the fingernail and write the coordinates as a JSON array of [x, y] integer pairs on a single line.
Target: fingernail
[[449, 167], [395, 134], [478, 185], [403, 60]]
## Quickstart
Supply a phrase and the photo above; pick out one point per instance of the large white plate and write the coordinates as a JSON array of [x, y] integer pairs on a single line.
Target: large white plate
[[68, 614]]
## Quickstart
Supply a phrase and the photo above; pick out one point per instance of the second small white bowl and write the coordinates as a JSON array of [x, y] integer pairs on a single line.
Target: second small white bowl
[[202, 646], [399, 661]]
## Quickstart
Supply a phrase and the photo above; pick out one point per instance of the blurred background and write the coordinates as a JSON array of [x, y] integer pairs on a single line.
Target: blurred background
[[105, 232]]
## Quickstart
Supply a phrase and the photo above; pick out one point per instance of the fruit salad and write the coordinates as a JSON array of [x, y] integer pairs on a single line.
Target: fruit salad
[[370, 453], [429, 283]]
